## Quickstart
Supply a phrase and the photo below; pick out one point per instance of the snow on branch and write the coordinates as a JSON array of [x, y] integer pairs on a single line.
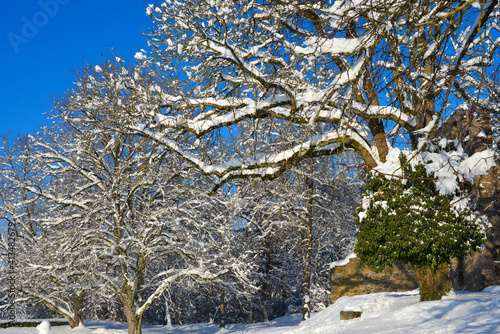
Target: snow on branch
[[178, 274]]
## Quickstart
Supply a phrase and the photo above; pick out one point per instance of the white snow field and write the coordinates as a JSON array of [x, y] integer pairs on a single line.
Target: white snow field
[[461, 312]]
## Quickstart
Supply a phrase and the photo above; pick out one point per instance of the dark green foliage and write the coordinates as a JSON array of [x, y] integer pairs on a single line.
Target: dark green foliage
[[408, 219]]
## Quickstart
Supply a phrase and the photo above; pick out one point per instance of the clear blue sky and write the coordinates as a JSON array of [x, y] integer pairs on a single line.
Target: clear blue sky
[[41, 41]]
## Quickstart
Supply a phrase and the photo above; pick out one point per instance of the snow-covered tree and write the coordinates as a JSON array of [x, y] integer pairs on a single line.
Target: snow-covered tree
[[16, 210], [371, 71], [297, 224], [142, 213], [56, 272], [286, 80], [47, 271], [378, 76], [264, 210]]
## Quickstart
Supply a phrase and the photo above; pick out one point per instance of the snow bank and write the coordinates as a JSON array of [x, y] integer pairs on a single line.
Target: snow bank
[[342, 262], [372, 305], [44, 327], [385, 312]]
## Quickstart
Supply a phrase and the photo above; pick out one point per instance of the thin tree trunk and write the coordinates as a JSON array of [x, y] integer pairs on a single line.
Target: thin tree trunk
[[265, 285], [167, 320], [307, 258], [222, 323], [263, 307], [207, 303]]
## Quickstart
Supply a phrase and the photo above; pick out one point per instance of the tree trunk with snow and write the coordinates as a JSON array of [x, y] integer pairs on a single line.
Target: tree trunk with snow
[[128, 297], [307, 257], [75, 321], [168, 317], [134, 321]]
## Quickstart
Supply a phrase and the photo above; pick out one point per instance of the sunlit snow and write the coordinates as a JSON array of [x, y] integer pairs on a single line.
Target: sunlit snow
[[385, 312]]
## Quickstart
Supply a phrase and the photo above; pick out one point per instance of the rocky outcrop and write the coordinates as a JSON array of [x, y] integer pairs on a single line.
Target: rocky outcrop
[[354, 279]]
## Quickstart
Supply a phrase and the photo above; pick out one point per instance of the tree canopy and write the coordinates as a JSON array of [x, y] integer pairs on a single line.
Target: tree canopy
[[314, 78]]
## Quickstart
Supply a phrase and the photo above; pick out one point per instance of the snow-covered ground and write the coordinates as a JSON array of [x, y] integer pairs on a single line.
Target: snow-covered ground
[[463, 312]]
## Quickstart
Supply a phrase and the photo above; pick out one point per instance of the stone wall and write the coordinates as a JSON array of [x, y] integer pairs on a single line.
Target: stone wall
[[354, 279]]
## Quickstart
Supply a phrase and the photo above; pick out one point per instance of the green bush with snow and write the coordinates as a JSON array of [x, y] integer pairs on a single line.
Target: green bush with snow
[[407, 218]]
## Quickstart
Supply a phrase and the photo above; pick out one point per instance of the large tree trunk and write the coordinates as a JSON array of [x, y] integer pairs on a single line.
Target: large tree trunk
[[473, 129], [134, 322], [75, 322]]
